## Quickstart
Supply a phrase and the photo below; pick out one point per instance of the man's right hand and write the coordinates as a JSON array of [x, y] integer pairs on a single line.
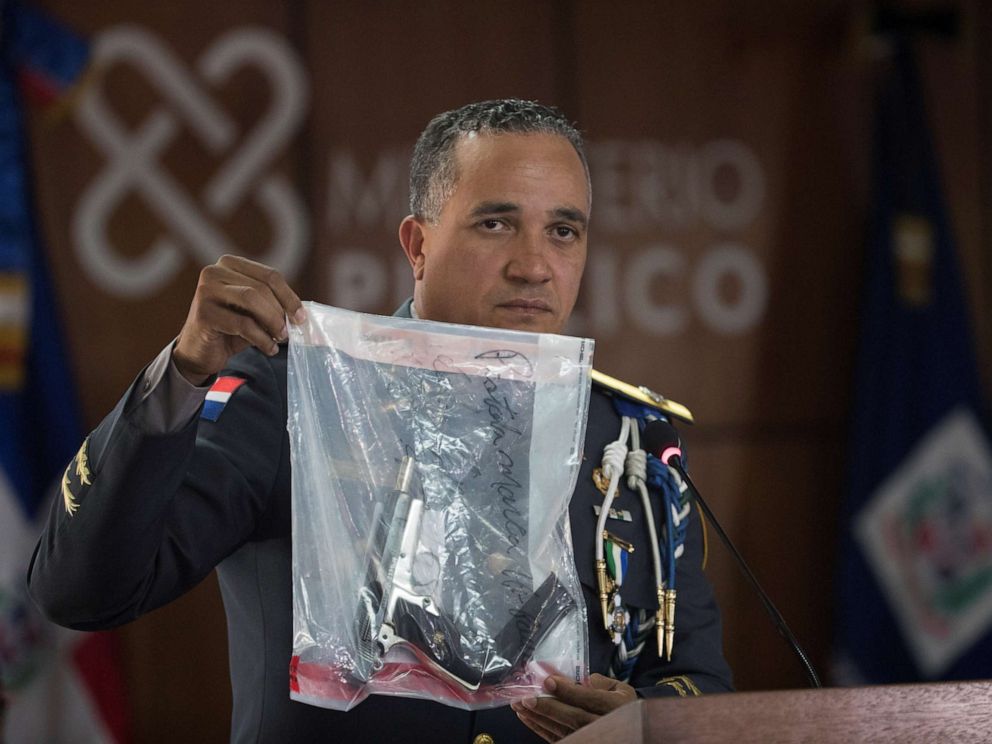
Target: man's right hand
[[238, 303]]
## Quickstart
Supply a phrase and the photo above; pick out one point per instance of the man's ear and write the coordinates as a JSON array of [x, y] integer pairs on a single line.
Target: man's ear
[[412, 240]]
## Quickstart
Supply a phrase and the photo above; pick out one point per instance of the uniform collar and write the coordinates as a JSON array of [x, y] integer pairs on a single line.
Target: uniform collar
[[406, 310]]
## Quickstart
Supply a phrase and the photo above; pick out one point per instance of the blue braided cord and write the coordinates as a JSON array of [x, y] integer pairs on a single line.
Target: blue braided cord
[[639, 411], [629, 634], [642, 414], [634, 639], [661, 479], [667, 490]]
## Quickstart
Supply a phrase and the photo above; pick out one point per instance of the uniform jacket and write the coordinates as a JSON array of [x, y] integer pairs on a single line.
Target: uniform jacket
[[161, 512]]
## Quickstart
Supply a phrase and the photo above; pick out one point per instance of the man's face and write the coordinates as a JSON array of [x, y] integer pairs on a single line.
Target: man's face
[[509, 246]]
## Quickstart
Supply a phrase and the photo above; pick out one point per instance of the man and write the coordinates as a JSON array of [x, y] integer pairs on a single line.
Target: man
[[159, 496]]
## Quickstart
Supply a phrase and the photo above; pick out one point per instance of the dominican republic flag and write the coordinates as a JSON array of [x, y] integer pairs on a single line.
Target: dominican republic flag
[[915, 578], [218, 395], [57, 686]]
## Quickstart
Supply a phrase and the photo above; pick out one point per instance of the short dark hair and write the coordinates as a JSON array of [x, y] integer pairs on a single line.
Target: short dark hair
[[432, 168]]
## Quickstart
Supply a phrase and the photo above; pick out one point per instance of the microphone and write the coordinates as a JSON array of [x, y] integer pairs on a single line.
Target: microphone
[[661, 440]]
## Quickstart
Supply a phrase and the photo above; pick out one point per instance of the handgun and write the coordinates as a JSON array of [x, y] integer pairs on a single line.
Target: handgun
[[393, 611]]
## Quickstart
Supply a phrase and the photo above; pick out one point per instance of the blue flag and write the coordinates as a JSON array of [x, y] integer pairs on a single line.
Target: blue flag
[[915, 579], [38, 410], [40, 426]]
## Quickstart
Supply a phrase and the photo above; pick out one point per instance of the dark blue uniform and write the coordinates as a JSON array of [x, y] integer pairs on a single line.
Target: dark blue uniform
[[162, 511]]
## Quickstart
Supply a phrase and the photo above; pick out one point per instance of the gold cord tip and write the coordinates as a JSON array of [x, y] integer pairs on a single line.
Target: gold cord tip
[[605, 587], [669, 623]]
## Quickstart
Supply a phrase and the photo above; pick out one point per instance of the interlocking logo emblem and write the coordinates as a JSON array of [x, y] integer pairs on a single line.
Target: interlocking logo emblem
[[133, 158]]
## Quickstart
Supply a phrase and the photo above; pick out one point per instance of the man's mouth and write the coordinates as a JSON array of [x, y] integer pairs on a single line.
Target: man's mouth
[[534, 307]]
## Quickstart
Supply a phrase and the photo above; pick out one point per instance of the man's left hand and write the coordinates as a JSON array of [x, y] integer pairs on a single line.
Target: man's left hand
[[573, 705]]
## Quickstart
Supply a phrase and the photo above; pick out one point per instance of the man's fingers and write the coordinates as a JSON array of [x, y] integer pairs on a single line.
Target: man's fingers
[[228, 312], [237, 301], [602, 682], [255, 302], [246, 327], [271, 278], [573, 705], [587, 697], [562, 715], [545, 728], [222, 288]]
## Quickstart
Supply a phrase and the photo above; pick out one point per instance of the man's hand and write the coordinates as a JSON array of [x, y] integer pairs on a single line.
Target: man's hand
[[238, 303], [573, 706]]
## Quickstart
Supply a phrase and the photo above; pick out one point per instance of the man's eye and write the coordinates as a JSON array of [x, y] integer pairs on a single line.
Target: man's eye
[[564, 232], [492, 224]]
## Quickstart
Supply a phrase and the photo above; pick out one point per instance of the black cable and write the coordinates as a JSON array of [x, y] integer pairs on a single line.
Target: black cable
[[780, 624], [661, 440]]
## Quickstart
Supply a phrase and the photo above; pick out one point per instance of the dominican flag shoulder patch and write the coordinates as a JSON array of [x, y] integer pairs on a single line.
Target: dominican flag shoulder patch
[[220, 392]]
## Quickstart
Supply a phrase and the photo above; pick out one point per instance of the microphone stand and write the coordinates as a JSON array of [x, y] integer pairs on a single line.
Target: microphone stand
[[770, 608]]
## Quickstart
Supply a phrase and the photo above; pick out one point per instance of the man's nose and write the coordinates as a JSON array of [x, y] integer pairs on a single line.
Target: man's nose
[[529, 261]]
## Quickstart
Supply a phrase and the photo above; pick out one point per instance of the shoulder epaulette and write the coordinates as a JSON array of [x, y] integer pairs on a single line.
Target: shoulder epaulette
[[643, 395]]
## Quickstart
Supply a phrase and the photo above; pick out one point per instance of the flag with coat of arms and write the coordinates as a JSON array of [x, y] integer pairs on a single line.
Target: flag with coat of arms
[[915, 572], [55, 685]]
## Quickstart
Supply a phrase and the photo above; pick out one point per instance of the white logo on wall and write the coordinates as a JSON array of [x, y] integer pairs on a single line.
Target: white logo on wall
[[927, 534], [133, 159], [672, 190]]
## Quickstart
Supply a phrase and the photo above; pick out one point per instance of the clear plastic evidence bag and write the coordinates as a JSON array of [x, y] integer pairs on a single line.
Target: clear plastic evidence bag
[[432, 469]]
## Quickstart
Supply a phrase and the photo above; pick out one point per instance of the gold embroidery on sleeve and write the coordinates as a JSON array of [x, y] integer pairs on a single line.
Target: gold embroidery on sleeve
[[681, 684], [82, 472]]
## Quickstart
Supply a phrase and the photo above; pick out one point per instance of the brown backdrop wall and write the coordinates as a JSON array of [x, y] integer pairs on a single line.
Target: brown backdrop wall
[[730, 155]]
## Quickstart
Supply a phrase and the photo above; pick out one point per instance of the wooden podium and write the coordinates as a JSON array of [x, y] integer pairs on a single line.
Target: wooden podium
[[944, 712]]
